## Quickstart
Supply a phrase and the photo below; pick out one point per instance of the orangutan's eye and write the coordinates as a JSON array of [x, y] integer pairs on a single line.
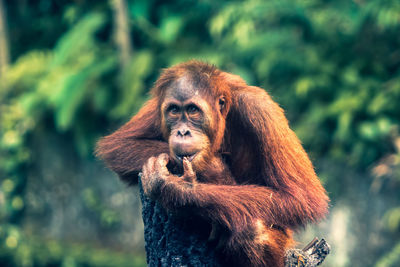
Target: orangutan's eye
[[173, 109], [222, 103], [191, 109]]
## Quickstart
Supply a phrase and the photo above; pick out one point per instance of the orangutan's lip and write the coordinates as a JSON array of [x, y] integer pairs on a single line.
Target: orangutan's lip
[[189, 157]]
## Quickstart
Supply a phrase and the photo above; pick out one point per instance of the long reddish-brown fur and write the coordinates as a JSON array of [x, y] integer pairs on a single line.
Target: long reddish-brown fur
[[268, 185]]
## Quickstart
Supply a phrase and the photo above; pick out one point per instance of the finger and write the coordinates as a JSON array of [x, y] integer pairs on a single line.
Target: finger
[[144, 170], [187, 168], [151, 164], [163, 159], [145, 178], [161, 164]]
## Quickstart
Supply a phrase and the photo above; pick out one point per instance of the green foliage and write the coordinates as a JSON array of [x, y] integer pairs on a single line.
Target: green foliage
[[391, 259], [105, 215], [18, 249], [333, 65], [132, 83]]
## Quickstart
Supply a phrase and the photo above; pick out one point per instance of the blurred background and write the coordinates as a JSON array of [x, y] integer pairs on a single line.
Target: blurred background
[[73, 71]]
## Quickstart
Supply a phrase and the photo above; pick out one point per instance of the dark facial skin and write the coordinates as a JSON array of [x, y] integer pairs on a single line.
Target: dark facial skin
[[187, 116]]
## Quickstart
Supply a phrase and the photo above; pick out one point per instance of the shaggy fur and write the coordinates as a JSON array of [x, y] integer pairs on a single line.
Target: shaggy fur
[[258, 183]]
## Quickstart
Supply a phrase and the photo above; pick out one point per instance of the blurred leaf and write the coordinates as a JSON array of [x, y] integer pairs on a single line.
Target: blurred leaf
[[133, 84], [170, 28], [139, 9], [78, 40], [392, 219], [74, 89], [25, 72], [391, 258]]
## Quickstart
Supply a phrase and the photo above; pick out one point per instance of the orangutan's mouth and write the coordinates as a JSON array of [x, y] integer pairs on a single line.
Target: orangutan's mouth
[[189, 157]]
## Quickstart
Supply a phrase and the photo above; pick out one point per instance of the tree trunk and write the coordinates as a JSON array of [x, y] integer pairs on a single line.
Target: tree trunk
[[4, 52], [122, 32]]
